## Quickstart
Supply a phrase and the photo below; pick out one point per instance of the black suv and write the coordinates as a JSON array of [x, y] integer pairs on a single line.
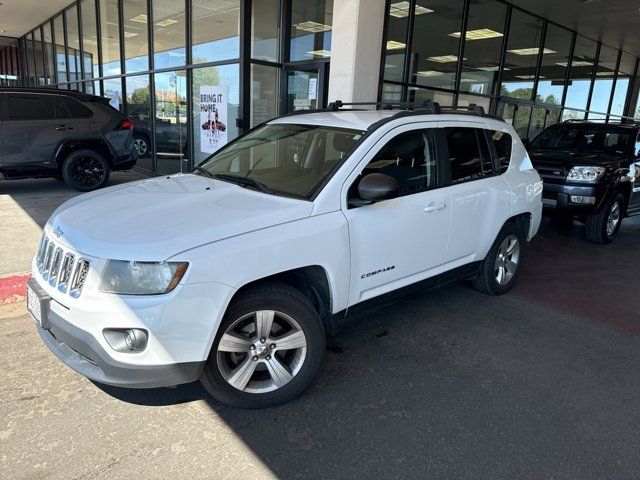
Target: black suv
[[591, 171], [60, 133]]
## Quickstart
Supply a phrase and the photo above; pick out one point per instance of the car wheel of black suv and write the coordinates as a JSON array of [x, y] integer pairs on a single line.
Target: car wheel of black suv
[[499, 269], [603, 225], [142, 145], [268, 348], [85, 170]]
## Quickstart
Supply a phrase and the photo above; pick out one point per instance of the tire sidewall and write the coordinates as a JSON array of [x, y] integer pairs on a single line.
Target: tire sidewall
[[145, 140], [68, 177], [311, 324]]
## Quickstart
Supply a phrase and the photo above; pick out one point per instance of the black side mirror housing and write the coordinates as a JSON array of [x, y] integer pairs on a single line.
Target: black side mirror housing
[[378, 186]]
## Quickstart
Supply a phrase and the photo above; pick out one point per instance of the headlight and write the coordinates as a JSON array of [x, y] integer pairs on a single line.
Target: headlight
[[585, 174], [141, 278]]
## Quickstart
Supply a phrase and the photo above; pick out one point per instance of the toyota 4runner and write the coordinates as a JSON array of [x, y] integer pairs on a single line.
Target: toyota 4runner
[[235, 273]]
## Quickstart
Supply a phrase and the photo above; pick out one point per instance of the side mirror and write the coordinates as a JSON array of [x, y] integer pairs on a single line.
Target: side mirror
[[378, 186], [526, 142]]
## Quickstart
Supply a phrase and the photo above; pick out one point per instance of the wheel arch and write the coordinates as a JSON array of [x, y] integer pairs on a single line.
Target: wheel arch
[[522, 221], [312, 281], [65, 149]]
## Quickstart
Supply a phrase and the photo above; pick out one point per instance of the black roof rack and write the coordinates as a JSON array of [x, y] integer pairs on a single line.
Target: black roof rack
[[69, 93], [405, 109], [603, 121]]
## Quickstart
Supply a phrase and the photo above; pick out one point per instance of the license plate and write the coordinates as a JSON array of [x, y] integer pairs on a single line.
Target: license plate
[[37, 303]]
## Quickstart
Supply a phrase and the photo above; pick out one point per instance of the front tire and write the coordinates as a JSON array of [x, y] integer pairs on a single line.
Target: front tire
[[85, 170], [268, 348], [500, 268], [603, 226]]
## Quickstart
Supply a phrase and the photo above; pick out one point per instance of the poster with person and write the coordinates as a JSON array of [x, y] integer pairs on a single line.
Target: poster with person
[[213, 117]]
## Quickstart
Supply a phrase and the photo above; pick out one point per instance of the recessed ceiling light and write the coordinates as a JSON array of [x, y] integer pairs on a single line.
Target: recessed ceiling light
[[166, 23], [313, 27], [479, 34], [575, 63], [530, 51], [528, 77], [429, 73], [604, 74], [320, 53], [401, 9], [142, 18], [393, 45], [443, 58], [494, 68]]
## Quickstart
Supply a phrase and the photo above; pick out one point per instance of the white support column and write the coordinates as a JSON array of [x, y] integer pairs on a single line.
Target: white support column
[[356, 49]]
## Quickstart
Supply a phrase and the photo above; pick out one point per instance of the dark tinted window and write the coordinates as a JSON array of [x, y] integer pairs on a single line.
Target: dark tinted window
[[502, 143], [584, 139], [77, 109], [487, 162], [31, 107], [410, 158], [464, 154], [61, 110]]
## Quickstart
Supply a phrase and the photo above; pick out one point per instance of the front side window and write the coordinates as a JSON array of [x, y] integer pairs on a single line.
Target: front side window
[[465, 157], [411, 159], [31, 107], [584, 140], [282, 159]]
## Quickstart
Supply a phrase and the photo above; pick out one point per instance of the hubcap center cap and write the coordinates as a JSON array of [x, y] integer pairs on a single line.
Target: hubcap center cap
[[262, 350]]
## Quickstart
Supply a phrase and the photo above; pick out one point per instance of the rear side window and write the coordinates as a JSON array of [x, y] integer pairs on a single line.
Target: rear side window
[[31, 107], [502, 142], [77, 109], [466, 159]]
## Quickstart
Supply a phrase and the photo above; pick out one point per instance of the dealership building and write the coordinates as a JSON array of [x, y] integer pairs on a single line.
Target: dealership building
[[172, 64]]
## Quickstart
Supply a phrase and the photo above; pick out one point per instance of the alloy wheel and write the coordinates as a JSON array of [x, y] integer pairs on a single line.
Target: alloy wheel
[[613, 219], [507, 259], [87, 171], [141, 146], [261, 351]]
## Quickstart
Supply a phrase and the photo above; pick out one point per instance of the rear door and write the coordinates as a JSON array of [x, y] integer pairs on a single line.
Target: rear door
[[479, 205], [35, 126], [634, 202]]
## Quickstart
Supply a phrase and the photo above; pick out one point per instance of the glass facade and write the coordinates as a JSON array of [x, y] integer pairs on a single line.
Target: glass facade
[[513, 63], [159, 60]]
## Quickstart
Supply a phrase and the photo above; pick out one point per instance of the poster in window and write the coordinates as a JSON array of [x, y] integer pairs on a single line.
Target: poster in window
[[213, 117]]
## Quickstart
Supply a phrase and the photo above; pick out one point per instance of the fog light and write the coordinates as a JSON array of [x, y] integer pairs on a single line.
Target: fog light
[[128, 340], [582, 199]]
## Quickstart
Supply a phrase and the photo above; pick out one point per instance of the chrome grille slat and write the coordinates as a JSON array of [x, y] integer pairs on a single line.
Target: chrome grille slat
[[79, 277], [55, 267], [65, 272]]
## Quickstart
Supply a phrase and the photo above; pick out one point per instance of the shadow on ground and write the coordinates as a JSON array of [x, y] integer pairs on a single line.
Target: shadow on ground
[[456, 384]]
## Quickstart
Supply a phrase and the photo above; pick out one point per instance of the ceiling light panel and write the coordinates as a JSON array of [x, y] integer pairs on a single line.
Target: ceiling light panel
[[478, 34], [313, 27], [530, 51]]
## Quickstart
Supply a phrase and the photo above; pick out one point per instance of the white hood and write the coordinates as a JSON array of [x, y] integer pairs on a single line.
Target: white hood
[[157, 218]]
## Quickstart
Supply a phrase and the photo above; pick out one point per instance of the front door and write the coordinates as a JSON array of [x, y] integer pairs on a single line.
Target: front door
[[305, 87], [403, 240], [32, 131]]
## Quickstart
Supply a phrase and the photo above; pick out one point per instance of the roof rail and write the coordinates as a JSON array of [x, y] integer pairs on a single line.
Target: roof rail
[[426, 105], [604, 121]]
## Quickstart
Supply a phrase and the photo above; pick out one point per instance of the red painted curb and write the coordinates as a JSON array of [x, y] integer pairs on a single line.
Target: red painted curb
[[13, 288]]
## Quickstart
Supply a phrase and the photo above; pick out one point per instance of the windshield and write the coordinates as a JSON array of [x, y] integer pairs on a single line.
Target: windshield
[[583, 139], [282, 159]]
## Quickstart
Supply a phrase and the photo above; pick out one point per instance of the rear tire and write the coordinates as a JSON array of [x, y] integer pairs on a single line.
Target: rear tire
[[500, 268], [603, 226], [85, 170], [244, 371], [141, 142]]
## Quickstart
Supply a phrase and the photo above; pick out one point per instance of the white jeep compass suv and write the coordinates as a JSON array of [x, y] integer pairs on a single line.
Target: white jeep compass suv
[[235, 273]]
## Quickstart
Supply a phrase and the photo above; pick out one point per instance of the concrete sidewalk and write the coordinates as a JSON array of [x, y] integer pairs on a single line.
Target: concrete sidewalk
[[25, 206]]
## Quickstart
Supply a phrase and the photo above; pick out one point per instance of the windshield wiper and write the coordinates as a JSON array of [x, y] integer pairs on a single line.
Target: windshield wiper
[[240, 180], [206, 172]]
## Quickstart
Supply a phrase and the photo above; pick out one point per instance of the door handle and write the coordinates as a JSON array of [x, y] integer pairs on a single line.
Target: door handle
[[435, 206], [63, 128]]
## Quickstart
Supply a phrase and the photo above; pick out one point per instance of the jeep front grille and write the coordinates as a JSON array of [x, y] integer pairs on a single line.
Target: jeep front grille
[[61, 268]]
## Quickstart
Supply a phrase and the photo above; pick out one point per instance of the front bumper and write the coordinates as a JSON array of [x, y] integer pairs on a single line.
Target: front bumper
[[80, 351], [557, 196]]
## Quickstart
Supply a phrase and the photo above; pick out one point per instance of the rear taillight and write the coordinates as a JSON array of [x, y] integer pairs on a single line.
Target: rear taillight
[[125, 125]]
